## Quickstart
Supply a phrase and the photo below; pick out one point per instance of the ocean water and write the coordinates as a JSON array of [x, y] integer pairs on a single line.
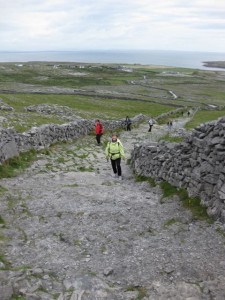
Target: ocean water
[[184, 59]]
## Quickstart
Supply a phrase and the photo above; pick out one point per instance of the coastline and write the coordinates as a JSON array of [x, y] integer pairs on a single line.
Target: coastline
[[214, 64], [159, 58]]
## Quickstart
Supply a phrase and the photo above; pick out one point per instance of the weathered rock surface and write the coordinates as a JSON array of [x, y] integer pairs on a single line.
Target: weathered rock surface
[[75, 232]]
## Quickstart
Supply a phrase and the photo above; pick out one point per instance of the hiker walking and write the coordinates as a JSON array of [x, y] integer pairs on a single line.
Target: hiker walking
[[115, 151], [170, 124], [128, 123], [150, 123], [99, 130]]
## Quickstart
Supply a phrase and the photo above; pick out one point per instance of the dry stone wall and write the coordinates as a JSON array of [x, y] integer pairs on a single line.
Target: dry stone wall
[[12, 142], [197, 164]]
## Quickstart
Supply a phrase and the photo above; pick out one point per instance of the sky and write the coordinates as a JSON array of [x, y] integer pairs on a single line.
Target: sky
[[40, 25]]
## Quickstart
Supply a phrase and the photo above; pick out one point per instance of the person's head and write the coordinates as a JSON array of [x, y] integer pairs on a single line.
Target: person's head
[[114, 137], [97, 121]]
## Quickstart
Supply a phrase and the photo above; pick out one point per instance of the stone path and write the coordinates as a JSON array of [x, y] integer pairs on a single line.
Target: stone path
[[77, 233]]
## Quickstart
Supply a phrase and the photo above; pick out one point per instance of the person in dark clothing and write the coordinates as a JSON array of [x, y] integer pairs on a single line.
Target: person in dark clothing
[[150, 123], [128, 123], [170, 124]]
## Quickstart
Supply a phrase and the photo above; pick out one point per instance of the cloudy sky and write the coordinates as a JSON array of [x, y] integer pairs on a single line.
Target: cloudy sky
[[195, 25]]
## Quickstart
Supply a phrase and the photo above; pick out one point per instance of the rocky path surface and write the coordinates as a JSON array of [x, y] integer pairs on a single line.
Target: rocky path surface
[[75, 232]]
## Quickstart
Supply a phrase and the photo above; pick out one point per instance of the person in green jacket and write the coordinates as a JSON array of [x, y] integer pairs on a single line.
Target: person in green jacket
[[115, 151]]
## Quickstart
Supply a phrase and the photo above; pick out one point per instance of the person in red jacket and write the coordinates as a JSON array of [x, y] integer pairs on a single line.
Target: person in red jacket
[[99, 130]]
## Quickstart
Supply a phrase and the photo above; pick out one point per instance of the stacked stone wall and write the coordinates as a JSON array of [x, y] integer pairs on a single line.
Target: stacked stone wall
[[197, 164], [12, 142]]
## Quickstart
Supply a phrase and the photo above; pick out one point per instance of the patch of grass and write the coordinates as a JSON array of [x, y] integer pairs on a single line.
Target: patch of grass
[[23, 267], [128, 161], [172, 139], [5, 262], [203, 116], [3, 189], [24, 235], [26, 210], [49, 166], [148, 230], [170, 222], [80, 213], [81, 156], [56, 296], [140, 178], [108, 183], [103, 249], [15, 165], [142, 292], [16, 297], [91, 273], [2, 221], [199, 212], [85, 252], [11, 202], [61, 160], [77, 243], [46, 151], [220, 231], [4, 238], [86, 169], [168, 189], [72, 185]]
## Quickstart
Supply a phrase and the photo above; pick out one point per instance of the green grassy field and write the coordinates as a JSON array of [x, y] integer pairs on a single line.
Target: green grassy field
[[108, 91], [204, 116], [82, 106]]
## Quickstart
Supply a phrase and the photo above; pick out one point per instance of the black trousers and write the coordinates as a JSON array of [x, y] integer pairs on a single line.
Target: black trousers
[[150, 128], [98, 138], [116, 166], [128, 127]]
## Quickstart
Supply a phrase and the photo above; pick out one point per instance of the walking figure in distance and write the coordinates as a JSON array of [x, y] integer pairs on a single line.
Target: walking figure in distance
[[115, 151], [99, 130], [128, 123], [169, 124], [150, 123]]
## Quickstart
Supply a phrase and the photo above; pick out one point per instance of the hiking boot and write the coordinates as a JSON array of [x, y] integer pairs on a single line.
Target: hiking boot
[[115, 175], [120, 177]]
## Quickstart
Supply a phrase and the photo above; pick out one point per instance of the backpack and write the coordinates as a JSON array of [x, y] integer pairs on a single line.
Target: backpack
[[101, 129]]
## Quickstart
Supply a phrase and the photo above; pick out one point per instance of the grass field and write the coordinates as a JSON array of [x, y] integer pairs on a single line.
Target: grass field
[[204, 116], [106, 91]]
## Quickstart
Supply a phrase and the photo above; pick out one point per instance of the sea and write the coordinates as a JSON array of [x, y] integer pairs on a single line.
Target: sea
[[184, 59]]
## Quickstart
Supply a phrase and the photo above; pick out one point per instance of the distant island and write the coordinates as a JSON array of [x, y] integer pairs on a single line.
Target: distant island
[[214, 64]]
